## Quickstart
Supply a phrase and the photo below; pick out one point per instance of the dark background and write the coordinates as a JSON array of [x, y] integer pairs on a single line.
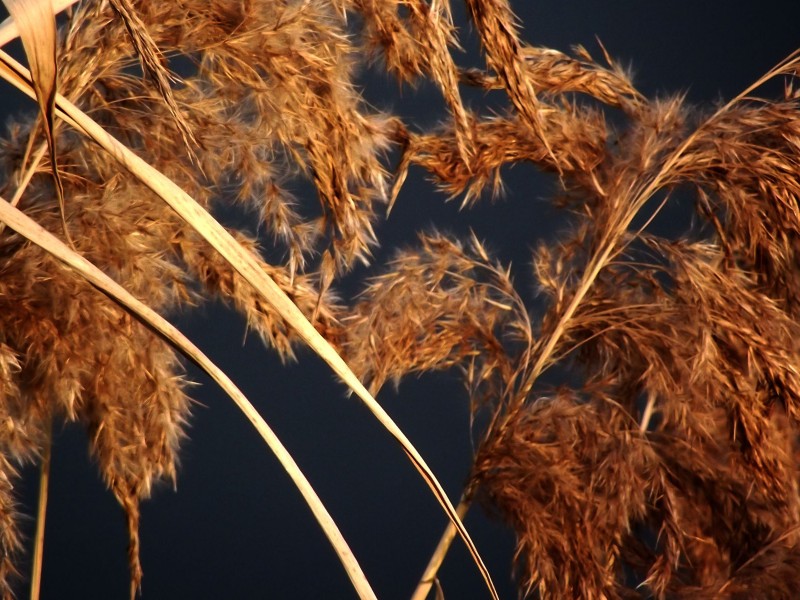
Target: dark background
[[236, 527]]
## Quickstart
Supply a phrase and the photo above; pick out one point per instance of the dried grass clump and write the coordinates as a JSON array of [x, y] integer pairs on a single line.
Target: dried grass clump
[[666, 464], [438, 306], [671, 463], [555, 475]]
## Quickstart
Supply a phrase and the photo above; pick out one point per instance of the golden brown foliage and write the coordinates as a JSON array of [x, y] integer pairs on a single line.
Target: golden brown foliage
[[669, 460]]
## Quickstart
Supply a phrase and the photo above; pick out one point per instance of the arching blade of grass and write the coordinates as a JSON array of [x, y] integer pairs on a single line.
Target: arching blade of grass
[[29, 229], [429, 575], [247, 266]]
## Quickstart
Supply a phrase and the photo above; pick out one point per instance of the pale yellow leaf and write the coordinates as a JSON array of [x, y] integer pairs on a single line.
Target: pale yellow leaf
[[9, 30], [36, 22]]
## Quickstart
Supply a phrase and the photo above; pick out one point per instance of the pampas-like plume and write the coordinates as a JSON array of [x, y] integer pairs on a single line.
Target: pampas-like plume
[[439, 306], [668, 460]]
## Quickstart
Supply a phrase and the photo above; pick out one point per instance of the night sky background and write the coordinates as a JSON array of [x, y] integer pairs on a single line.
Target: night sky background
[[236, 527]]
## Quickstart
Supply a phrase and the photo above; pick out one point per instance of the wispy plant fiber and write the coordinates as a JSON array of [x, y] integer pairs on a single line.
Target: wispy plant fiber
[[666, 462]]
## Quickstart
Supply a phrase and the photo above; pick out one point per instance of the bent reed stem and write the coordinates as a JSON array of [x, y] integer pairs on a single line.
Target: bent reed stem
[[434, 564], [41, 515]]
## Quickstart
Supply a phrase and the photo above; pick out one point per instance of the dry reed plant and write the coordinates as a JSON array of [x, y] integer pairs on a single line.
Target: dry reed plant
[[666, 464]]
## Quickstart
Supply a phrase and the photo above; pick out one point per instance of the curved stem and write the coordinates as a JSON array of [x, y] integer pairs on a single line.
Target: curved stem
[[429, 575], [41, 514]]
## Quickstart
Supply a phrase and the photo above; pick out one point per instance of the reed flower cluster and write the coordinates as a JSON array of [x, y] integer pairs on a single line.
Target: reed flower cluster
[[668, 458]]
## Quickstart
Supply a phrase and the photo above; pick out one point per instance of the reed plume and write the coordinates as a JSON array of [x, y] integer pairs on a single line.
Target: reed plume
[[666, 461]]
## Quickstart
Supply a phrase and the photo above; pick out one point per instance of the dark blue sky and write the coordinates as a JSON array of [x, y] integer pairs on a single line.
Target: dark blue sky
[[236, 528]]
